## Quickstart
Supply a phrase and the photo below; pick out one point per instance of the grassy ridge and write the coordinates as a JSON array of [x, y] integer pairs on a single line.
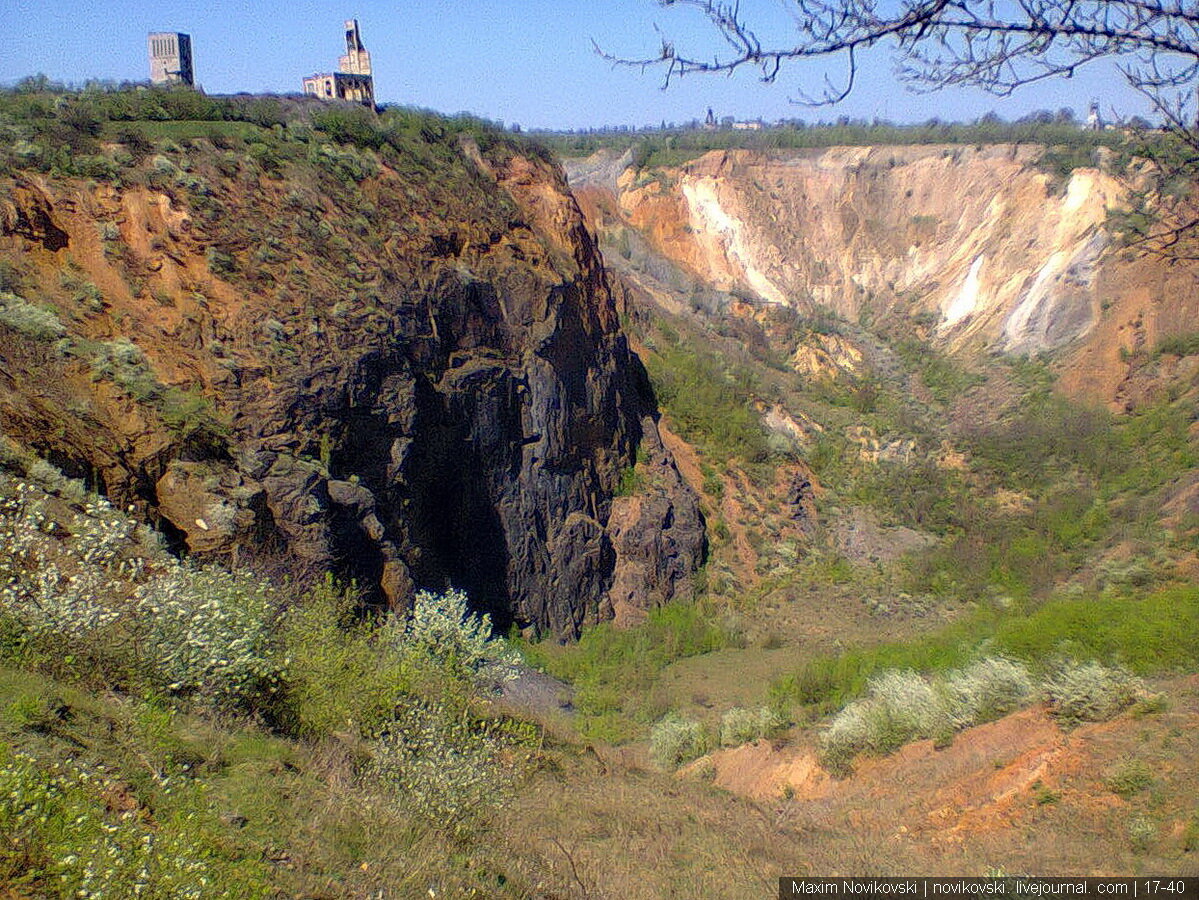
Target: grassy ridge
[[613, 670], [1153, 634], [674, 147]]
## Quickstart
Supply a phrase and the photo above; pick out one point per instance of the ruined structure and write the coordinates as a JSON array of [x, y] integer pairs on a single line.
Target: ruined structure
[[170, 58], [353, 80]]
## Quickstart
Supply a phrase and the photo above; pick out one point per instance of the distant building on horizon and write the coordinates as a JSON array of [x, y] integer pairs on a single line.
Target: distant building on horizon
[[353, 81], [170, 58]]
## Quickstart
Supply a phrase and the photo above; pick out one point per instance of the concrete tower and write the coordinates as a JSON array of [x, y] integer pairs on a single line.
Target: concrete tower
[[357, 60], [170, 58]]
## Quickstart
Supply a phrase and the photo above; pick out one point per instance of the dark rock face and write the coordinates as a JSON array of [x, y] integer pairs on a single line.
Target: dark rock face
[[468, 432], [801, 501], [659, 541]]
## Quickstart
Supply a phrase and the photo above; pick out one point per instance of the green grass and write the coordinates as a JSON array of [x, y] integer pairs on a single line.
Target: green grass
[[613, 669], [1153, 634], [708, 403], [183, 130], [160, 799]]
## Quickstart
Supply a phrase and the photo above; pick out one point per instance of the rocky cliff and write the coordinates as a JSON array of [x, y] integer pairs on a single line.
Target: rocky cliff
[[981, 245], [398, 362]]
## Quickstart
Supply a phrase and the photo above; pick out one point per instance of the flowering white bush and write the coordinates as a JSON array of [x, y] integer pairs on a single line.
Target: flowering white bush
[[55, 813], [210, 632], [443, 629], [203, 631], [71, 585], [36, 322], [901, 706], [443, 765], [739, 725], [987, 689], [675, 740]]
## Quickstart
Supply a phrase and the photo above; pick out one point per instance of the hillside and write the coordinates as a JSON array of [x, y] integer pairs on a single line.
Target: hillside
[[367, 348], [987, 247], [382, 514]]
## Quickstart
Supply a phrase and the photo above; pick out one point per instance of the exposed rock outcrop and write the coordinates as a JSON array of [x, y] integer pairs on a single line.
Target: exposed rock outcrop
[[987, 250], [415, 381]]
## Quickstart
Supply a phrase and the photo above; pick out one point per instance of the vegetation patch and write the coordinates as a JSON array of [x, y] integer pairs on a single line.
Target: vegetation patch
[[676, 740], [37, 322], [613, 669], [1158, 633]]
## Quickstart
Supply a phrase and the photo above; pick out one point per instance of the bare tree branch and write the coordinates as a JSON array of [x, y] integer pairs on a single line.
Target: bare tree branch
[[996, 45]]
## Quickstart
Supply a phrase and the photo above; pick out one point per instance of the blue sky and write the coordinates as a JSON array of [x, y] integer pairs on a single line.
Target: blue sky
[[524, 61]]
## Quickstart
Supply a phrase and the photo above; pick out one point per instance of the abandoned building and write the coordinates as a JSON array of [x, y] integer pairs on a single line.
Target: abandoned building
[[170, 58], [353, 80]]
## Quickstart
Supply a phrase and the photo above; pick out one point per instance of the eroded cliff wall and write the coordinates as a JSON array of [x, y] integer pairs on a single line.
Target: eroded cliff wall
[[406, 369], [990, 251]]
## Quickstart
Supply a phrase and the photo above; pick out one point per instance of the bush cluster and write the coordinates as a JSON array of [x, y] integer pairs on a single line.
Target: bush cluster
[[675, 740], [86, 597], [36, 322], [902, 706]]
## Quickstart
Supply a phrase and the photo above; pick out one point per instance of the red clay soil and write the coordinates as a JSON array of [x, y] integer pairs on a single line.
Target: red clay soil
[[991, 778]]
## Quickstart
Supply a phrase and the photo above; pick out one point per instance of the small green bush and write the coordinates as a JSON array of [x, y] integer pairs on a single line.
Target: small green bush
[[219, 262], [1090, 692], [1129, 777], [675, 740], [342, 675], [1142, 832], [1190, 836], [740, 725], [1179, 345], [72, 588]]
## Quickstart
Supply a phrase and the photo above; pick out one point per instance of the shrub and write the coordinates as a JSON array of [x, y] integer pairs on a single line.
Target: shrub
[[443, 630], [342, 674], [210, 632], [1179, 345], [60, 839], [1141, 833], [1129, 777], [36, 322], [901, 706], [219, 262], [739, 725], [1190, 835], [444, 766], [675, 740], [987, 689], [73, 588], [1090, 692]]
